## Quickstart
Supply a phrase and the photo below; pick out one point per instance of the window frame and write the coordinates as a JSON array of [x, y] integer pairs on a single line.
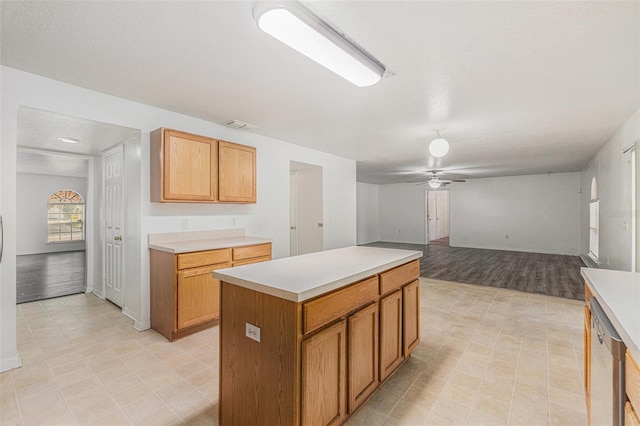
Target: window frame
[[56, 204], [594, 229]]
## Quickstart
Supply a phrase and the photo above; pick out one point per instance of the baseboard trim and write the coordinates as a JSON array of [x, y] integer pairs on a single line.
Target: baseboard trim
[[10, 362], [141, 325], [590, 262], [137, 324]]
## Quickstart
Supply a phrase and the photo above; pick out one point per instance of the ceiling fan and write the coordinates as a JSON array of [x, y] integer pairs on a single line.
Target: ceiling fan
[[436, 182]]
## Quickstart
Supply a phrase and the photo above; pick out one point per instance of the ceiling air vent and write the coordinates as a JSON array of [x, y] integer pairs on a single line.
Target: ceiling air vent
[[237, 124]]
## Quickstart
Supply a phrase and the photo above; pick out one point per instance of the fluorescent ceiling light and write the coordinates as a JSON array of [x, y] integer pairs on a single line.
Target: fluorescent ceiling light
[[297, 27], [68, 140]]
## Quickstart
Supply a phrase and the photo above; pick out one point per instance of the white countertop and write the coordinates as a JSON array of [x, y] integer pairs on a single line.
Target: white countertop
[[198, 241], [618, 292], [300, 278]]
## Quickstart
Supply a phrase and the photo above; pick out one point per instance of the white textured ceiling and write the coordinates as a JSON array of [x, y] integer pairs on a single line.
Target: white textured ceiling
[[518, 87]]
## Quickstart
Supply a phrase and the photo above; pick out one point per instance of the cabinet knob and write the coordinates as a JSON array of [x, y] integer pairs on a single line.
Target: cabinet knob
[[292, 228]]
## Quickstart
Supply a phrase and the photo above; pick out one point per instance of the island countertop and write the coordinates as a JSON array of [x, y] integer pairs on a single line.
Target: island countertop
[[618, 292], [299, 278]]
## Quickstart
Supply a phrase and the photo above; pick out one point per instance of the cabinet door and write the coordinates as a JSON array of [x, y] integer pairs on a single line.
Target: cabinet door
[[198, 296], [190, 170], [587, 356], [411, 317], [390, 333], [237, 176], [362, 355], [324, 380], [630, 416]]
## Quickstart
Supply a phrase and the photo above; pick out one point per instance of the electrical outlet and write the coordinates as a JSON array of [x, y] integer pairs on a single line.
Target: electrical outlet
[[252, 332], [185, 224]]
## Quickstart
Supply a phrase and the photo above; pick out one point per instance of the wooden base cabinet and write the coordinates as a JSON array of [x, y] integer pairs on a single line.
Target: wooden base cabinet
[[632, 388], [324, 376], [318, 360], [587, 348], [363, 354], [410, 317], [185, 298], [198, 296], [390, 334]]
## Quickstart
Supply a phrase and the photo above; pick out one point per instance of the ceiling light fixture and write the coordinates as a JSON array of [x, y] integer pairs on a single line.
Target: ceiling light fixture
[[434, 184], [299, 28], [439, 147], [68, 140]]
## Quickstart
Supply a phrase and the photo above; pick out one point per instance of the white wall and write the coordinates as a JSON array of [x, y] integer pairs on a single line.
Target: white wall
[[367, 213], [535, 213], [268, 218], [401, 213], [34, 191], [612, 170]]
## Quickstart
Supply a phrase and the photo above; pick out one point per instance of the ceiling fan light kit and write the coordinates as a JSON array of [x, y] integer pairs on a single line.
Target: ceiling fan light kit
[[439, 146], [302, 30], [434, 184]]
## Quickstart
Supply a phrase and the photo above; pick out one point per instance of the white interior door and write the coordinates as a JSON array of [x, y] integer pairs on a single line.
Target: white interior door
[[431, 215], [293, 228], [113, 181], [442, 209]]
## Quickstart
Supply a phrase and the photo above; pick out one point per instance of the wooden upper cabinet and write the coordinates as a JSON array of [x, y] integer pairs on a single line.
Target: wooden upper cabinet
[[188, 168], [237, 175], [184, 167]]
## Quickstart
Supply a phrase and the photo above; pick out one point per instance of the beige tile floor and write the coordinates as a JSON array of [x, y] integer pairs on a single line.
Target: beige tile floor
[[488, 357]]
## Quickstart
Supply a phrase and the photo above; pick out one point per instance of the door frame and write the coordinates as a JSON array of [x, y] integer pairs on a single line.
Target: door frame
[[311, 225], [90, 203], [426, 212], [118, 147], [293, 213]]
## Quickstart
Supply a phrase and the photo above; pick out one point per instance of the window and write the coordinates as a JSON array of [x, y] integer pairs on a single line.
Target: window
[[65, 217], [594, 221]]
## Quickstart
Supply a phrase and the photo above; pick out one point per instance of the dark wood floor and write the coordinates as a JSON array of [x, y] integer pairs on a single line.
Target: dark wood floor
[[47, 275], [554, 275], [444, 241]]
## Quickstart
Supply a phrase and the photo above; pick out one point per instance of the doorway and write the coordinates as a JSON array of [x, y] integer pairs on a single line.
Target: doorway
[[437, 217], [306, 208], [52, 189], [65, 141]]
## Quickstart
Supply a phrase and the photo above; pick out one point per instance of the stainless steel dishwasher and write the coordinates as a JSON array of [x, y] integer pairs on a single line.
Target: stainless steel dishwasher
[[607, 370]]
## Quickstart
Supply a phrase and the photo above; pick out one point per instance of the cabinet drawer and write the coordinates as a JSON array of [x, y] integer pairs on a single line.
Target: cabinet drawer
[[632, 380], [249, 252], [396, 277], [253, 260], [325, 309], [203, 258]]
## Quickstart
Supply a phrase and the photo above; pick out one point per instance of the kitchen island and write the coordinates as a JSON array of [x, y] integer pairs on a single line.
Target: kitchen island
[[307, 339], [618, 295]]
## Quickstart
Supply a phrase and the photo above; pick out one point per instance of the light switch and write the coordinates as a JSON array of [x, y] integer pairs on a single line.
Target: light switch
[[252, 332]]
